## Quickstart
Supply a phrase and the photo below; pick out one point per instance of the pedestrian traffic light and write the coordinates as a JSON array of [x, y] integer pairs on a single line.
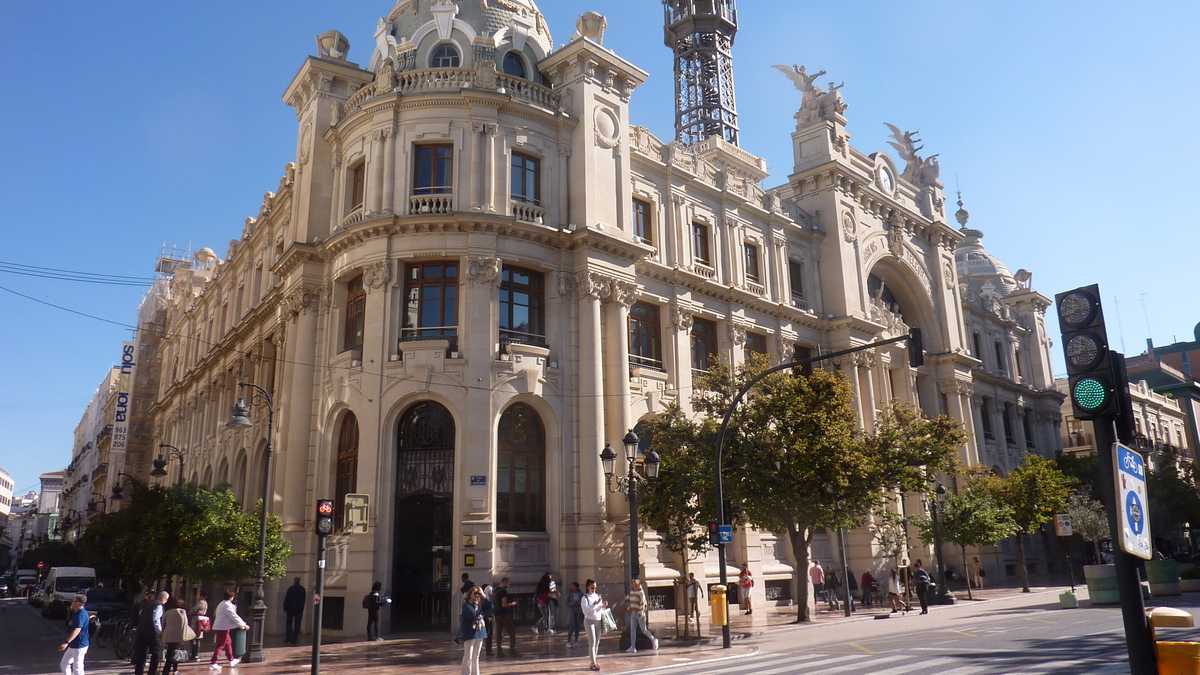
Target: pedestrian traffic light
[[324, 517], [1092, 381], [714, 533], [916, 348]]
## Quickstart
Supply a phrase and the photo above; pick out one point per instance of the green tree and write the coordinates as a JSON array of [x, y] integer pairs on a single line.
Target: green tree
[[1174, 494], [1035, 491], [973, 517], [52, 553], [1083, 469], [796, 462], [1089, 520]]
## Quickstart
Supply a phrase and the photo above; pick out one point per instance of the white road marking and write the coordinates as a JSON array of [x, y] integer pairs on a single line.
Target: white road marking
[[863, 664], [775, 660], [920, 667]]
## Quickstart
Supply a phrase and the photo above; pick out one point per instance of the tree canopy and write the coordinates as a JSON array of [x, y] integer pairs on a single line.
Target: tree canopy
[[1035, 491], [972, 517]]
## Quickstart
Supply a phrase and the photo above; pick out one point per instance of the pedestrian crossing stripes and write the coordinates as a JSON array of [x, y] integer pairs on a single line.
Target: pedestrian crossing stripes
[[906, 663]]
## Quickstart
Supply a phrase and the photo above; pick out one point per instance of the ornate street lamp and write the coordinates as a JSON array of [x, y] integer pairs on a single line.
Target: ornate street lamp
[[240, 419], [937, 507], [160, 462], [627, 485]]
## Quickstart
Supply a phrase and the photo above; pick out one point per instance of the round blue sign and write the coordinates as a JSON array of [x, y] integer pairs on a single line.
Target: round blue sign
[[1134, 513]]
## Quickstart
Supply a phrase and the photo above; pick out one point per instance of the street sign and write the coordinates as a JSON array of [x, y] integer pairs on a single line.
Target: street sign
[[725, 534], [357, 507], [1133, 515], [1062, 525]]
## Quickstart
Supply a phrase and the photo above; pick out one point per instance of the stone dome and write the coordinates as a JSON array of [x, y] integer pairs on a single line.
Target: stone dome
[[515, 20], [977, 267]]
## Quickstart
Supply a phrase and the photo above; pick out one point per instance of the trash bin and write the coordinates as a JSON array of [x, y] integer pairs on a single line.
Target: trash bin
[[239, 642], [720, 614], [1178, 658]]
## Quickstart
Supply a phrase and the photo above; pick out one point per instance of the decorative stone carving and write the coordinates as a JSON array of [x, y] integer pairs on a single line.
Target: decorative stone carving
[[301, 300], [816, 104], [681, 318], [607, 128], [891, 321], [566, 285], [332, 45], [849, 227], [376, 275], [923, 171], [591, 25], [594, 285], [385, 43], [737, 334], [785, 347], [624, 292], [948, 275], [444, 12], [483, 269]]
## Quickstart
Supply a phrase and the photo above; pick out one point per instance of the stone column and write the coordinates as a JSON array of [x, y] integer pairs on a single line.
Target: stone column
[[293, 454], [375, 173], [488, 171], [616, 389], [389, 172], [591, 289], [476, 151], [680, 327], [865, 360]]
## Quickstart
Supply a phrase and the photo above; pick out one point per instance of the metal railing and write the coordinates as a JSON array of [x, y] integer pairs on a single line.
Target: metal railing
[[639, 361], [516, 337]]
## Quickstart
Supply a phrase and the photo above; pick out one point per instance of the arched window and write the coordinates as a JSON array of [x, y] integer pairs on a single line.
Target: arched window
[[514, 65], [521, 473], [346, 481], [240, 478], [444, 55]]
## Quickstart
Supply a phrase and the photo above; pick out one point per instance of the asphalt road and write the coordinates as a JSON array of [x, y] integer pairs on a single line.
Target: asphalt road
[[29, 643], [1027, 634]]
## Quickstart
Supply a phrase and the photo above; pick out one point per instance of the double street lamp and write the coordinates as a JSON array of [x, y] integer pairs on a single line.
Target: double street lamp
[[627, 484], [160, 462], [240, 419]]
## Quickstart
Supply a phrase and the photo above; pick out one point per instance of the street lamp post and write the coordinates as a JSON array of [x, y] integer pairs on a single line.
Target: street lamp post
[[935, 507], [160, 462], [628, 485], [240, 419]]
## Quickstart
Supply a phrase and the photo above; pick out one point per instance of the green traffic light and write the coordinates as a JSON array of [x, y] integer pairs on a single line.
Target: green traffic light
[[1089, 393]]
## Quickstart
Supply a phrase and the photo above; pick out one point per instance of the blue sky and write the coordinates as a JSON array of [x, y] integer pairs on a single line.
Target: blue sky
[[133, 124]]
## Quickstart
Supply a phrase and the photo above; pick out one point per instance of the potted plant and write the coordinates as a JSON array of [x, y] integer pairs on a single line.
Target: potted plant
[[1089, 520]]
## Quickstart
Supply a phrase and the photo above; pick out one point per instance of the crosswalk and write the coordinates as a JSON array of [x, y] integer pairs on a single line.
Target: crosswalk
[[905, 663]]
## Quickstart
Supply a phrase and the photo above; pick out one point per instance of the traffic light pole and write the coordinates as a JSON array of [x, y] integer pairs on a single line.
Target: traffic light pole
[[1108, 431], [320, 604]]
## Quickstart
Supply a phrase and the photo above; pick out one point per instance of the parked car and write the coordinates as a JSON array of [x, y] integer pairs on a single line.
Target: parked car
[[3, 589]]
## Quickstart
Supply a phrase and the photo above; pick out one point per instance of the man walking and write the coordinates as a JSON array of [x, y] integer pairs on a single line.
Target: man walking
[[372, 603], [76, 646], [638, 617], [293, 606], [149, 632], [505, 606], [817, 575], [922, 581], [694, 594]]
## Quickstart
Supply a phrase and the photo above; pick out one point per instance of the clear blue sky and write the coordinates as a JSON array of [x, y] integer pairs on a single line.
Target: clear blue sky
[[132, 124]]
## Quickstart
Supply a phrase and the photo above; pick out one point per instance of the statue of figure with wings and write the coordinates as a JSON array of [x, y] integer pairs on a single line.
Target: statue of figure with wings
[[920, 170], [815, 103]]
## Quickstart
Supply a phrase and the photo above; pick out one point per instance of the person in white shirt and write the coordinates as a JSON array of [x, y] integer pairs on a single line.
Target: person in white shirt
[[593, 607], [226, 620]]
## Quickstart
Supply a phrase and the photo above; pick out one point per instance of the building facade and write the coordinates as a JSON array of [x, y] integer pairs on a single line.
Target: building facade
[[6, 493], [477, 271]]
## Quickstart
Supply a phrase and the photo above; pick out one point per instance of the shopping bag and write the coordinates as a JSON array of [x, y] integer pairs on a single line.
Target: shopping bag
[[607, 620]]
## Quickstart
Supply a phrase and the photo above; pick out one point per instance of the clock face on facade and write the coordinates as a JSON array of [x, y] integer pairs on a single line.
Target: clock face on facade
[[886, 183]]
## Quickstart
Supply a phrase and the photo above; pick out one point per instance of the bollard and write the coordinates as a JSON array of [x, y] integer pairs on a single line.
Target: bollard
[[720, 609]]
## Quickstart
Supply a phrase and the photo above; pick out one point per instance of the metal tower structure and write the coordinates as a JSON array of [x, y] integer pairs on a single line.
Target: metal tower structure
[[701, 34]]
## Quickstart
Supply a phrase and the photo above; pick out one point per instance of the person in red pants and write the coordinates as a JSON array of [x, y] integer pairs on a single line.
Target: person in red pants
[[226, 620]]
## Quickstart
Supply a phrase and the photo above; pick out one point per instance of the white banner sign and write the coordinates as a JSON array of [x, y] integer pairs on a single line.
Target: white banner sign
[[120, 427]]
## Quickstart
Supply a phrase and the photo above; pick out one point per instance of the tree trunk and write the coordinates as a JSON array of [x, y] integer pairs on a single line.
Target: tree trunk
[[1021, 563], [799, 541], [966, 572], [1096, 549], [683, 575]]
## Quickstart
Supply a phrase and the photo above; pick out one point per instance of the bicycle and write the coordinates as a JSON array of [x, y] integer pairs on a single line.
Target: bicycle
[[123, 636]]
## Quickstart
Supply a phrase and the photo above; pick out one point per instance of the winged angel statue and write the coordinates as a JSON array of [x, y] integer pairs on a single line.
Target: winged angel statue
[[920, 170], [815, 103]]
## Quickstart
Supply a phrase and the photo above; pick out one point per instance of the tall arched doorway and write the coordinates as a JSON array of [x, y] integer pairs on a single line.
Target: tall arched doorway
[[424, 517]]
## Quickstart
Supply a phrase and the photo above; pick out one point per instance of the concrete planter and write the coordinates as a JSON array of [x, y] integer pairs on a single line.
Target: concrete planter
[[1189, 585], [1102, 584], [1163, 576]]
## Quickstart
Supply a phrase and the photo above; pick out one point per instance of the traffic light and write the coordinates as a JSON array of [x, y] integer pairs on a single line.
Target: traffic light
[[714, 533], [916, 348], [324, 517], [1092, 380]]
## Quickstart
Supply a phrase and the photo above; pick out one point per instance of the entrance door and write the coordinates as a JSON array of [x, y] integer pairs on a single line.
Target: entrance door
[[424, 518]]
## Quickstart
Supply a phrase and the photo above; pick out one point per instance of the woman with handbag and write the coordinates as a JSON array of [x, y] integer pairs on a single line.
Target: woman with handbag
[[200, 621], [472, 630], [593, 607], [176, 634]]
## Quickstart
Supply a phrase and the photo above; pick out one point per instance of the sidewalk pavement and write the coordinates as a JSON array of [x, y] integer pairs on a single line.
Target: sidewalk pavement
[[429, 653]]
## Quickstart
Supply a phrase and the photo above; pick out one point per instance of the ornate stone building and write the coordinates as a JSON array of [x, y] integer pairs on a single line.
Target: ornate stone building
[[477, 271]]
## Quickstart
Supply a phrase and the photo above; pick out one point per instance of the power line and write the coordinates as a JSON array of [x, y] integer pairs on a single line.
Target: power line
[[85, 280], [7, 263], [66, 309]]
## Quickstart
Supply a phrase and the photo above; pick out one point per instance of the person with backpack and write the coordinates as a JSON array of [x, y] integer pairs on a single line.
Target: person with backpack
[[293, 608], [472, 630], [373, 602]]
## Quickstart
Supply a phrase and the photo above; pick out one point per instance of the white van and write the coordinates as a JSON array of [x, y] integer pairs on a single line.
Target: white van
[[63, 583]]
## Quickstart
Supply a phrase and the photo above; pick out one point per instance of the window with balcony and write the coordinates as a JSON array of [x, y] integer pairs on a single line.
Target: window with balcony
[[444, 55], [796, 279], [752, 271], [522, 307], [526, 178], [431, 302], [642, 222], [645, 341], [756, 345], [704, 345], [514, 65], [700, 249], [433, 169], [357, 184], [354, 321], [985, 415]]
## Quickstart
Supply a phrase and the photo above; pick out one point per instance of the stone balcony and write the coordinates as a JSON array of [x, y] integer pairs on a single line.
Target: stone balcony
[[436, 204], [448, 80], [528, 211]]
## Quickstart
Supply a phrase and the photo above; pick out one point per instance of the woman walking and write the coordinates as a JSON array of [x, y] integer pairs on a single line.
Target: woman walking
[[574, 598], [894, 591], [638, 616], [176, 636], [472, 630], [542, 596], [592, 606], [226, 620], [746, 585]]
